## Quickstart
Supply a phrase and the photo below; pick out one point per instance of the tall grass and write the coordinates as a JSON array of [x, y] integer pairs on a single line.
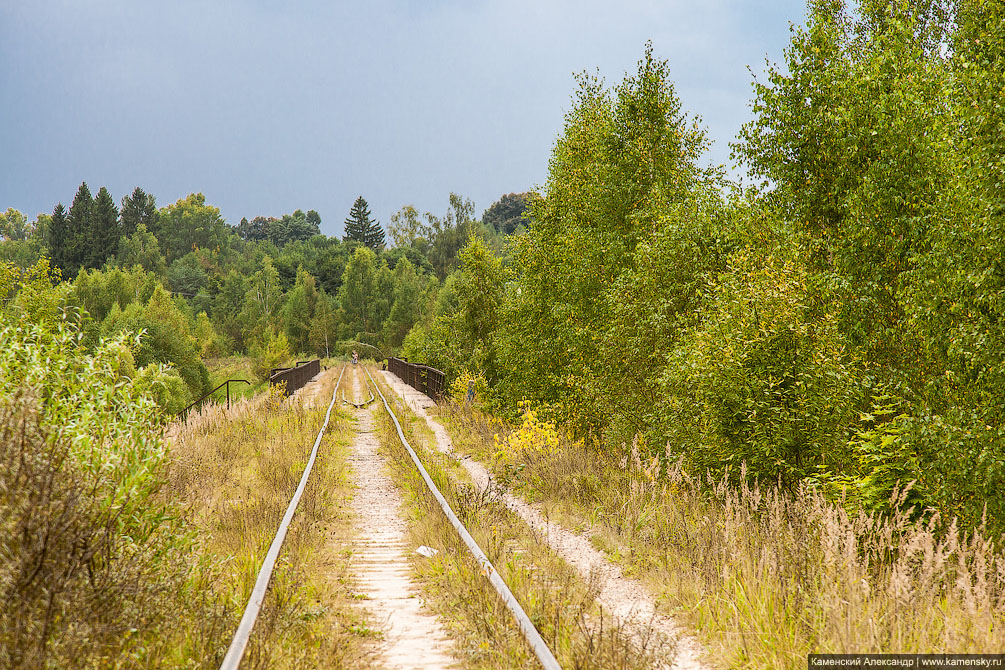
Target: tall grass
[[562, 605], [238, 471], [766, 576]]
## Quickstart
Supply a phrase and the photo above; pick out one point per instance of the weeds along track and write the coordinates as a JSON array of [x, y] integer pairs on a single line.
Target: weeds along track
[[528, 630], [389, 616], [562, 605], [240, 641], [633, 608]]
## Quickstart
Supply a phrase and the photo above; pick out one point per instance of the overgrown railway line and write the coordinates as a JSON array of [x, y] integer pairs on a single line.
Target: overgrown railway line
[[239, 644]]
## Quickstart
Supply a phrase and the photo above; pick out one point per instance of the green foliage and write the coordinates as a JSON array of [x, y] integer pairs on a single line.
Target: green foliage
[[191, 224], [103, 239], [764, 379], [882, 145], [436, 243], [97, 291], [467, 381], [141, 248], [461, 336], [166, 337], [186, 276], [299, 311], [28, 297], [627, 158], [365, 297], [92, 552], [261, 302], [271, 351], [888, 471], [78, 226], [23, 253], [14, 226], [406, 309], [57, 239], [281, 231], [324, 325], [506, 215], [138, 209], [210, 343]]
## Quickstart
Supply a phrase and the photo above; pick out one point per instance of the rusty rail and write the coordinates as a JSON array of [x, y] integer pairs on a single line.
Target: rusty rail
[[422, 378], [295, 378]]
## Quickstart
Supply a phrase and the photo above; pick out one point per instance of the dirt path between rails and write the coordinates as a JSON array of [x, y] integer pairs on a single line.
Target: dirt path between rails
[[414, 638], [626, 598]]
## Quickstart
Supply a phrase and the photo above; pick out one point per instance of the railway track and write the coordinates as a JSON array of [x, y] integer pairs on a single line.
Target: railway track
[[235, 652], [239, 644]]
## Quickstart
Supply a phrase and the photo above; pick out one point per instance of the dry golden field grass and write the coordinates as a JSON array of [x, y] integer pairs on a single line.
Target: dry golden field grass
[[764, 576]]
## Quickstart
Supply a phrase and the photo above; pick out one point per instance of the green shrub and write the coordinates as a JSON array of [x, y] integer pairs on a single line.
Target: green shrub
[[765, 379], [272, 351]]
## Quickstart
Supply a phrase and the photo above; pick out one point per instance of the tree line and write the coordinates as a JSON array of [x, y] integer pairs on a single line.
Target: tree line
[[836, 323], [271, 287]]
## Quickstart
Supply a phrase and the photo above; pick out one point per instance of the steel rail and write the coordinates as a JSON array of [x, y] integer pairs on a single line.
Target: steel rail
[[240, 642], [358, 405], [530, 633]]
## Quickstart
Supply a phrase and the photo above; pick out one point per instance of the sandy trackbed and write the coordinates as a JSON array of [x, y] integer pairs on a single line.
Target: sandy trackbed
[[414, 638], [626, 598]]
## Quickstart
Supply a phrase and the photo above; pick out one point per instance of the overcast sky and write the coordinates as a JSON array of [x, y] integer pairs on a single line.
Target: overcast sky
[[266, 107]]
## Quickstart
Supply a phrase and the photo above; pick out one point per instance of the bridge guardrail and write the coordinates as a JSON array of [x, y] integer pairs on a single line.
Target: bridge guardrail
[[422, 378], [295, 378]]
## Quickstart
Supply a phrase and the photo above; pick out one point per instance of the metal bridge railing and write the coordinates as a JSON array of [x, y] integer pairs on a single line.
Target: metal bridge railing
[[295, 378], [184, 413], [423, 378]]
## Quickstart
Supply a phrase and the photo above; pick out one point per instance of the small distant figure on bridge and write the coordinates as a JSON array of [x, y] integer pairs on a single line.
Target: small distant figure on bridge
[[471, 391], [355, 357]]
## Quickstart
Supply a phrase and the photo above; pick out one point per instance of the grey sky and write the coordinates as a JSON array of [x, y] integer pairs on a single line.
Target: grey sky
[[270, 106]]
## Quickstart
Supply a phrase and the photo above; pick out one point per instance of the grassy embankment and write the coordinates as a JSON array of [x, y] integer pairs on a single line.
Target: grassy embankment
[[765, 577], [561, 605], [238, 470], [235, 367]]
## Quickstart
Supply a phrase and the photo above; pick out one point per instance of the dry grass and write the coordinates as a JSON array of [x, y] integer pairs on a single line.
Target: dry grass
[[81, 586], [766, 577], [238, 471], [562, 606]]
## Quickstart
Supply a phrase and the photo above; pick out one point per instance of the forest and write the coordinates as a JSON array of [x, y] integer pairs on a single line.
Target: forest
[[833, 323]]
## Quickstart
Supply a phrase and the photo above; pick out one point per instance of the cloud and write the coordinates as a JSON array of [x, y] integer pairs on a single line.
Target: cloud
[[267, 107]]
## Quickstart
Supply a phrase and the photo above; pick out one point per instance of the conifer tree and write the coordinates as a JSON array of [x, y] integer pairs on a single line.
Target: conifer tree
[[373, 236], [140, 207], [78, 227], [104, 238], [361, 227], [57, 237]]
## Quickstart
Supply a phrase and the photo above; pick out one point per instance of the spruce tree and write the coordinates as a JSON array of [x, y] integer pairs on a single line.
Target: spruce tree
[[140, 207], [373, 236], [57, 237], [104, 238], [361, 227], [78, 228]]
